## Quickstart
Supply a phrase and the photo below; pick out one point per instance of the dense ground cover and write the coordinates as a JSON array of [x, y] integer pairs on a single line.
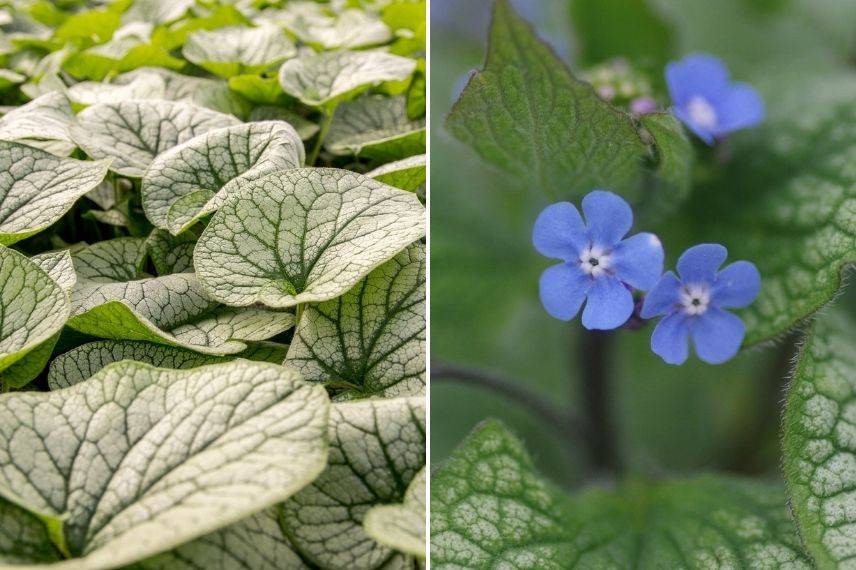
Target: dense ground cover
[[212, 284]]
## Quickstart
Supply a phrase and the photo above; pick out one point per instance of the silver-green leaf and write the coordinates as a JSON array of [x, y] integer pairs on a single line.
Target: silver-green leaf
[[304, 235], [43, 123], [402, 526], [371, 340], [194, 178], [320, 79], [238, 49], [376, 449], [37, 188], [139, 460], [133, 133], [83, 361], [375, 127]]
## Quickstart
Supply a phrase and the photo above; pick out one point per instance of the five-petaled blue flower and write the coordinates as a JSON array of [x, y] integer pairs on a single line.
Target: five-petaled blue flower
[[707, 101], [693, 305], [597, 264]]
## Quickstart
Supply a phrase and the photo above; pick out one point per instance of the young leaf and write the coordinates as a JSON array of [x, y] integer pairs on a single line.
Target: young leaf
[[407, 173], [43, 123], [375, 127], [490, 508], [123, 131], [37, 188], [819, 450], [303, 236], [212, 94], [402, 527], [83, 361], [147, 86], [371, 340], [193, 179], [350, 29], [321, 79], [171, 310], [528, 115], [376, 448], [238, 49], [89, 460]]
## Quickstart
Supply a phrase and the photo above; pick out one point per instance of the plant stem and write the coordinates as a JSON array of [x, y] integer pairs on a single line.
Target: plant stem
[[326, 120], [593, 357], [511, 389]]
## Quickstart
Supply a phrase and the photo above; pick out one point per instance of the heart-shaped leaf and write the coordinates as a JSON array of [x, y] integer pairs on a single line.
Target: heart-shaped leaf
[[375, 127], [407, 173], [304, 235], [171, 310], [43, 123], [490, 508], [37, 188], [83, 361], [320, 79], [143, 86], [376, 448], [371, 340], [108, 261], [133, 133], [238, 49], [194, 178], [92, 461], [402, 527], [819, 446]]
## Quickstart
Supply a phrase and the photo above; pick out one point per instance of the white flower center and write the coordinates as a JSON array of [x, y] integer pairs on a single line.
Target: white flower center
[[695, 299], [594, 261], [701, 112]]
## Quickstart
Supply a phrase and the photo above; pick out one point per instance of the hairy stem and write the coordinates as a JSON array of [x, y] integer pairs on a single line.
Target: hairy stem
[[511, 389], [326, 120], [593, 357]]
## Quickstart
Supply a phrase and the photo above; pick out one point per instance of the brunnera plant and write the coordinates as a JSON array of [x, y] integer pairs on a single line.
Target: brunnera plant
[[630, 144], [212, 285]]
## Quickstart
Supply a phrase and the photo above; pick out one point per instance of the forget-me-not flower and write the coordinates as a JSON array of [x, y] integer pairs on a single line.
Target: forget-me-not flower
[[707, 101], [598, 266], [694, 305]]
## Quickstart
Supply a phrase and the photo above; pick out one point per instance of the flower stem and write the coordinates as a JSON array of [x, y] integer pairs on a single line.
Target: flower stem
[[511, 389], [593, 356], [326, 120]]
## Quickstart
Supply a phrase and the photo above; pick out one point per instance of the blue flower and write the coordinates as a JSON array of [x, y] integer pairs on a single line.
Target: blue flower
[[707, 101], [597, 264], [693, 305]]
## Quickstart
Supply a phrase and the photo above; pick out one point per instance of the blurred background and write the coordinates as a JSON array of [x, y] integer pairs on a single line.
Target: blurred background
[[485, 311]]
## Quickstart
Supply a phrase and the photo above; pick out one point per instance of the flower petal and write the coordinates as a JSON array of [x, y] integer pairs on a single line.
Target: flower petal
[[563, 289], [717, 335], [609, 304], [608, 217], [638, 261], [699, 263], [661, 300], [704, 134], [696, 75], [737, 285], [739, 108], [670, 339], [559, 232]]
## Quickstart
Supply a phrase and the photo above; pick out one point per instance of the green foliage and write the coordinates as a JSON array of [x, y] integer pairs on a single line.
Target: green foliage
[[144, 423], [780, 195], [490, 508]]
